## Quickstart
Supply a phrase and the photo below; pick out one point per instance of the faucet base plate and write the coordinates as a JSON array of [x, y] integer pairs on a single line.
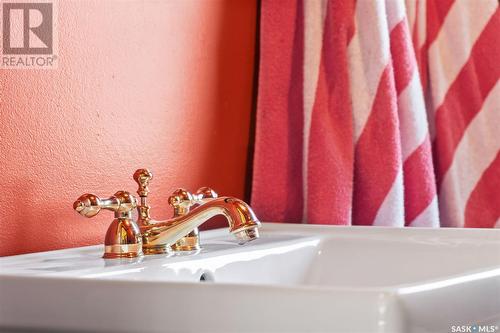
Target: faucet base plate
[[190, 242], [185, 248], [155, 249], [122, 251]]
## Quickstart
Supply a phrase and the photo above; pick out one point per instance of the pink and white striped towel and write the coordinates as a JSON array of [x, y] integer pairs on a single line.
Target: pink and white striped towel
[[379, 113]]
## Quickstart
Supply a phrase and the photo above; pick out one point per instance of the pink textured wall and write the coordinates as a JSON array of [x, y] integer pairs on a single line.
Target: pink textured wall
[[159, 84]]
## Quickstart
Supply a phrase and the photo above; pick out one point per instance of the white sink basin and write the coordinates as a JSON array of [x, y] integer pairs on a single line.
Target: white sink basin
[[295, 278]]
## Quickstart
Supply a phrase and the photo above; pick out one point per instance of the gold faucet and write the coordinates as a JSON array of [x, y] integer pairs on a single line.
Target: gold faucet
[[126, 238]]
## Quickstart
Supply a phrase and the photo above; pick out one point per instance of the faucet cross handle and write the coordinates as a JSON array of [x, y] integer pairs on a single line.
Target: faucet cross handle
[[89, 205], [123, 238], [182, 200], [204, 193]]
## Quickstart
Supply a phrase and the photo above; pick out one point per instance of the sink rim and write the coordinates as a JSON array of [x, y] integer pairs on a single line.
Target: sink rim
[[301, 232]]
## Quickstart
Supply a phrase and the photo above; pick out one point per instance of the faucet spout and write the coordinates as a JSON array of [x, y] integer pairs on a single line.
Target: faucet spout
[[241, 219]]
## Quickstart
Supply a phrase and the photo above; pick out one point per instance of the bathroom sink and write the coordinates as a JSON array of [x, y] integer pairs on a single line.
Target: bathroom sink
[[294, 278]]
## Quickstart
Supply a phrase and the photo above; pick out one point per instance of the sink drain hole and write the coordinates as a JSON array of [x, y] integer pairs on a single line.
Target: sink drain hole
[[206, 277]]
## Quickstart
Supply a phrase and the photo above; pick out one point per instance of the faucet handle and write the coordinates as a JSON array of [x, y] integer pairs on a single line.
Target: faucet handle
[[181, 200], [123, 238], [142, 178], [205, 193], [89, 205]]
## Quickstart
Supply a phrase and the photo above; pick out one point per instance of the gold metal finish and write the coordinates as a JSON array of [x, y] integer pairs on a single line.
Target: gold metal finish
[[239, 215], [127, 239], [123, 238], [143, 177], [182, 201]]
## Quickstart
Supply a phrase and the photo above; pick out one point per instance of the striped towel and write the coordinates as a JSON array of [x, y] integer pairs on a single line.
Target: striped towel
[[379, 113]]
